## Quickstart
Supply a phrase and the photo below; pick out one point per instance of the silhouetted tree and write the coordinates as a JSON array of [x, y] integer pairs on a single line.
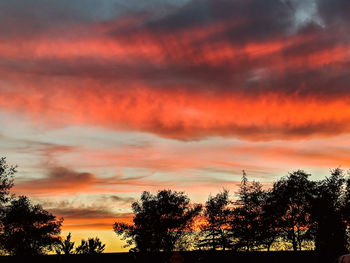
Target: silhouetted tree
[[293, 196], [91, 246], [28, 229], [6, 180], [249, 226], [65, 246], [269, 231], [346, 211], [161, 221], [217, 214], [330, 211]]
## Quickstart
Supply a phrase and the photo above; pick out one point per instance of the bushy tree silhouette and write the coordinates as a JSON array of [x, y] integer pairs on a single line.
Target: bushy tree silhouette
[[330, 211], [28, 229], [6, 180], [293, 195], [269, 232], [161, 221], [214, 232], [65, 247], [91, 246]]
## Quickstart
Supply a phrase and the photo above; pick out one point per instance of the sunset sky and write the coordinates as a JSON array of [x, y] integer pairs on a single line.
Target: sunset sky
[[103, 99]]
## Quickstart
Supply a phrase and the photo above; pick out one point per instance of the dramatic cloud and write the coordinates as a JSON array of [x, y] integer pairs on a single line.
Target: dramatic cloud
[[102, 100], [202, 68], [188, 115]]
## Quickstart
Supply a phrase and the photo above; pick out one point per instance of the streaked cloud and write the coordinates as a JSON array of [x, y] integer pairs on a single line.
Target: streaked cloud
[[207, 68], [101, 101]]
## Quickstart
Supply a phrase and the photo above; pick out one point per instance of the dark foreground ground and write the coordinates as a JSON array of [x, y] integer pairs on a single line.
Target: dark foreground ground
[[184, 257]]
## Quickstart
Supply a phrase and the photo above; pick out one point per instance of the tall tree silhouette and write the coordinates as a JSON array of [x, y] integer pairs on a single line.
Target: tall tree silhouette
[[91, 246], [217, 214], [28, 229], [66, 246], [331, 213], [249, 226], [161, 221], [294, 195]]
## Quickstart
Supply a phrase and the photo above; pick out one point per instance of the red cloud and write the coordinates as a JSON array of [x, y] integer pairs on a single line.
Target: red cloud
[[185, 115], [187, 83]]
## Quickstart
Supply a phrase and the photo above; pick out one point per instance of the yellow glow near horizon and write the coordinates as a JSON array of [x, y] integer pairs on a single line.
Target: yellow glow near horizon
[[108, 237]]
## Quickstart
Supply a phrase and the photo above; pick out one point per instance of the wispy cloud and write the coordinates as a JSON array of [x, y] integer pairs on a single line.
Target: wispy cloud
[[101, 101]]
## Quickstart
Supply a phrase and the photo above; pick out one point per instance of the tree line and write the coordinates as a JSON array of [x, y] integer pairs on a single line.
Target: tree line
[[28, 229], [295, 213]]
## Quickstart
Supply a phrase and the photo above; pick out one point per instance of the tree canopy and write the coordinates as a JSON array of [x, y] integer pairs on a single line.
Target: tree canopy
[[161, 221], [331, 213], [91, 246], [293, 197], [6, 179], [28, 229], [217, 215]]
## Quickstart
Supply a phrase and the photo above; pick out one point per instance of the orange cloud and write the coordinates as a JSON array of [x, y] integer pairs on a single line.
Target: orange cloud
[[189, 83], [239, 69], [186, 115], [87, 218]]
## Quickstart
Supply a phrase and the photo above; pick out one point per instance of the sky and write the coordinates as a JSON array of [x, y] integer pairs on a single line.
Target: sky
[[101, 100]]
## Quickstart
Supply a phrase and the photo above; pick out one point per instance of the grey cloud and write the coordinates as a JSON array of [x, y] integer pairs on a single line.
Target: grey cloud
[[33, 17], [84, 213], [119, 199]]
